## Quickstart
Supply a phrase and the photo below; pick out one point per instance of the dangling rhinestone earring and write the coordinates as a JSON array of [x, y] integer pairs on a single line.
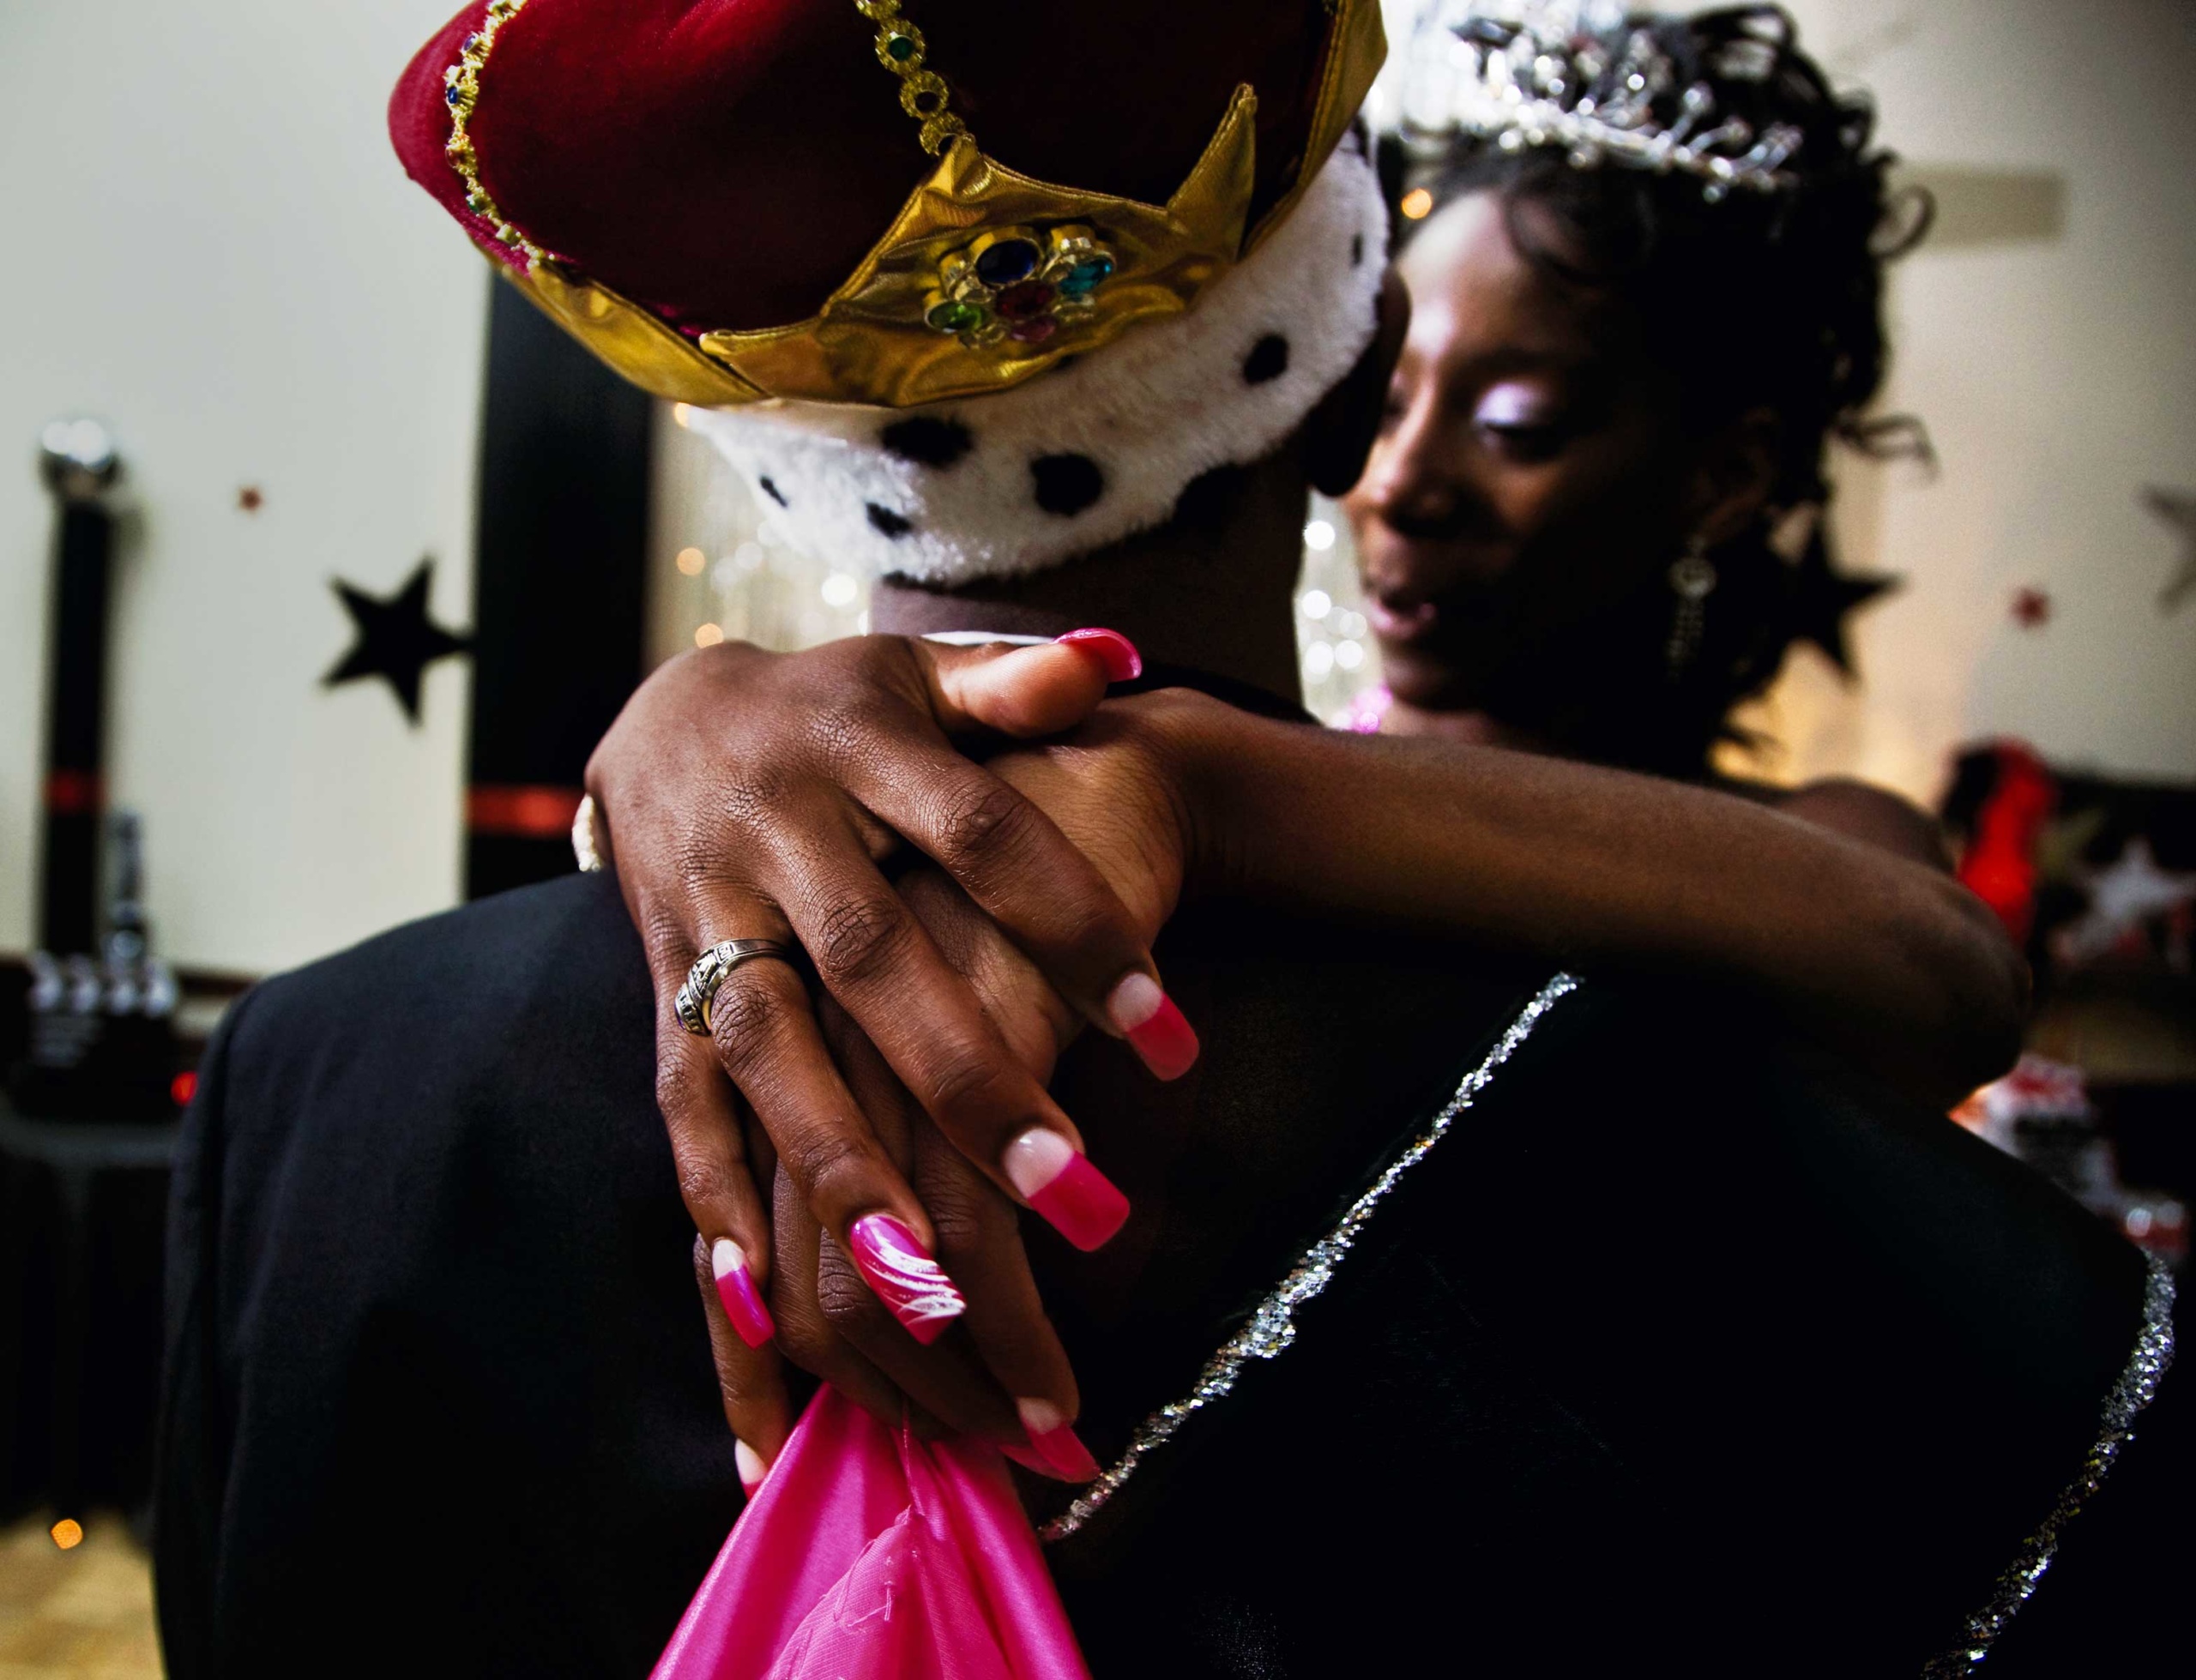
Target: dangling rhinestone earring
[[1692, 575]]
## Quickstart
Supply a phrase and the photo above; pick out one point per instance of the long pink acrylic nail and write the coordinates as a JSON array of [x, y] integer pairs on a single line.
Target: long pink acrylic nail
[[1156, 1029], [1028, 1459], [905, 1276], [743, 1301], [1059, 1451], [1115, 651], [1060, 1182]]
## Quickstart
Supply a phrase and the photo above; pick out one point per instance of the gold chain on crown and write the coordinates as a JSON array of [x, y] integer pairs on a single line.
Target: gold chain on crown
[[461, 87], [922, 93]]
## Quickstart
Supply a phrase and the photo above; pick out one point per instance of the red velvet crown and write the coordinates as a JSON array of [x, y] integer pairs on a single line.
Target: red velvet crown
[[723, 166]]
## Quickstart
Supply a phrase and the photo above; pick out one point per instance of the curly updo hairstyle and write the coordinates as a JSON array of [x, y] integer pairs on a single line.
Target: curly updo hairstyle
[[1755, 299]]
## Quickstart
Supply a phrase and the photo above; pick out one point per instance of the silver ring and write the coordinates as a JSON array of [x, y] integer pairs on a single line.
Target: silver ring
[[711, 971]]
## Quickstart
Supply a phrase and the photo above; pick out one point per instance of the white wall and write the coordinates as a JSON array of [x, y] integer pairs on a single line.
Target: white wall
[[2056, 370], [211, 245]]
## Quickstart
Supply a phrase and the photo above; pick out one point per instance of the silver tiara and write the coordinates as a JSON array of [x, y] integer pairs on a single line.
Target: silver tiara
[[1583, 76]]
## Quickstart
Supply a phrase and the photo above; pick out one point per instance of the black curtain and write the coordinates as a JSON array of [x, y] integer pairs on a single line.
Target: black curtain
[[559, 589]]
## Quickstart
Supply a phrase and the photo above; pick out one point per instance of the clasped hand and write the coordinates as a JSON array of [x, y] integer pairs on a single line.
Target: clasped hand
[[968, 906]]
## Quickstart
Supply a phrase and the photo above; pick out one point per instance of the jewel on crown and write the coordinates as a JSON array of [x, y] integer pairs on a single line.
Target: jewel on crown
[[1018, 283], [1583, 76]]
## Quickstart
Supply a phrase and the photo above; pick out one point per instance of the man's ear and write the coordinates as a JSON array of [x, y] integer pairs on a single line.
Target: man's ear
[[1736, 475], [1339, 435]]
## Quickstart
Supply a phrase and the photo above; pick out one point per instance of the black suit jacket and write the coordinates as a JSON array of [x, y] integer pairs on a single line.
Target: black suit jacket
[[1687, 1347]]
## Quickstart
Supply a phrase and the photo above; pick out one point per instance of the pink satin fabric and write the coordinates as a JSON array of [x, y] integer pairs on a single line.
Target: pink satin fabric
[[869, 1554]]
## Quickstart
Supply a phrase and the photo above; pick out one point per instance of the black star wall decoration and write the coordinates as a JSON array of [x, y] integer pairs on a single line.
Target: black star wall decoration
[[2178, 511], [1823, 598], [396, 641]]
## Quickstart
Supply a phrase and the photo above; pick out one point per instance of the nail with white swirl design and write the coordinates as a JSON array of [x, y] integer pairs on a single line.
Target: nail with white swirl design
[[905, 1276]]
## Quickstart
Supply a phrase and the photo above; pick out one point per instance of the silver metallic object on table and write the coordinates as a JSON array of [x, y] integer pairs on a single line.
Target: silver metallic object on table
[[77, 459]]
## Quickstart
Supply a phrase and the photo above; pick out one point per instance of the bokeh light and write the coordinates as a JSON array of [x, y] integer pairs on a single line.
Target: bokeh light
[[1418, 204], [708, 636]]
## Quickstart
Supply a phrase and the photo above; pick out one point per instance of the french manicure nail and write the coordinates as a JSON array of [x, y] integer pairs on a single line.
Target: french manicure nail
[[743, 1301], [1115, 651], [1154, 1028], [752, 1470], [1060, 1182], [905, 1276], [1059, 1448]]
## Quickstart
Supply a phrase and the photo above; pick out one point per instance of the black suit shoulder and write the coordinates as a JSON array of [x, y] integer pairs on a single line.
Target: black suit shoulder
[[431, 1299], [553, 970], [1691, 1348]]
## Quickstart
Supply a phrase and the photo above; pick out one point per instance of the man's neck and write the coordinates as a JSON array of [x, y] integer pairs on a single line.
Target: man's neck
[[1210, 589]]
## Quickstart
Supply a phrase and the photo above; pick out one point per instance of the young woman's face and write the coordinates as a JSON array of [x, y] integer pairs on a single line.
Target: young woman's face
[[1531, 477]]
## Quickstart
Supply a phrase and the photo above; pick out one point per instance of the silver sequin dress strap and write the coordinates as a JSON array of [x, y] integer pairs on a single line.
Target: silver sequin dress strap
[[1273, 1326], [2136, 1387]]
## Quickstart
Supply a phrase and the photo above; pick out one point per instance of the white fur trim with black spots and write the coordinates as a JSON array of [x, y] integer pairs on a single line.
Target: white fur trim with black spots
[[1097, 450]]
